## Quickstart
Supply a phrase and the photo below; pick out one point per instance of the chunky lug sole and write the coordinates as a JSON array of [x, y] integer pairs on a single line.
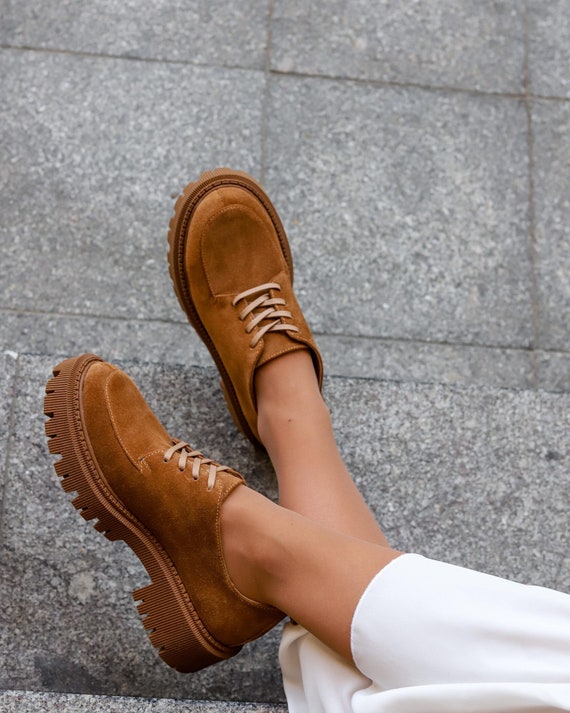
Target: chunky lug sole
[[167, 613], [177, 235]]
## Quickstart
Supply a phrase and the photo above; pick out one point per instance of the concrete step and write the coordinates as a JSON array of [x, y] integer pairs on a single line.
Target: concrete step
[[46, 702], [476, 476]]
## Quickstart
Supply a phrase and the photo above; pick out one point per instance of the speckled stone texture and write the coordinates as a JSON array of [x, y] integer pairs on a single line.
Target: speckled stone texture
[[8, 368], [88, 187], [469, 475], [466, 475], [197, 31], [409, 208], [459, 43], [32, 702], [551, 128], [549, 30], [554, 370], [422, 230]]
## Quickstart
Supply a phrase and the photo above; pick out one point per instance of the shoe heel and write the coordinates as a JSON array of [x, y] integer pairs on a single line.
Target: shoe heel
[[178, 645]]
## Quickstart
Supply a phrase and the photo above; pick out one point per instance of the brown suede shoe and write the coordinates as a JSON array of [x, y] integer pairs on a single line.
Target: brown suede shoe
[[163, 499], [232, 271]]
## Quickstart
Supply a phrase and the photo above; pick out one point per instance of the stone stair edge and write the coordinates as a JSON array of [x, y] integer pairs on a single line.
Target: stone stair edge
[[211, 370], [25, 701]]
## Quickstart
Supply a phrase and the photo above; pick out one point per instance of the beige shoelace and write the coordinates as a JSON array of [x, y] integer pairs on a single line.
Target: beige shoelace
[[268, 304], [185, 452]]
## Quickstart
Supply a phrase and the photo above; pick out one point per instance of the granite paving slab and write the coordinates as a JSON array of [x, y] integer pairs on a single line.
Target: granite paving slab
[[93, 151], [469, 475], [36, 702], [211, 32], [551, 127], [549, 51], [459, 43], [406, 209]]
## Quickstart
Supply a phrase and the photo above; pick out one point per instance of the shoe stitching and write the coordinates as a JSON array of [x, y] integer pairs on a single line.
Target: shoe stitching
[[268, 304], [143, 460], [186, 454]]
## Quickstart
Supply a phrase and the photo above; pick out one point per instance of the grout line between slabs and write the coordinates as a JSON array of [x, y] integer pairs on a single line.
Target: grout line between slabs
[[129, 58], [532, 216], [386, 83], [264, 117], [9, 435], [318, 333], [395, 84]]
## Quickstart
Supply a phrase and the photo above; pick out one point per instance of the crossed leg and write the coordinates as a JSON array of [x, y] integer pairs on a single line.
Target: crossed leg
[[314, 555], [295, 426]]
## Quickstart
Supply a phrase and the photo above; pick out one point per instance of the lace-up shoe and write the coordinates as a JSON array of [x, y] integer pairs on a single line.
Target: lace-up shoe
[[232, 271], [162, 498]]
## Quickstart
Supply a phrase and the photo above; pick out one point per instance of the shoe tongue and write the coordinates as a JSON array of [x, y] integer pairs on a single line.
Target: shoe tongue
[[137, 428]]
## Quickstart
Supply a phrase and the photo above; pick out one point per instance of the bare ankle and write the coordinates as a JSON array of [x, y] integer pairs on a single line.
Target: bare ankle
[[287, 390], [291, 373], [242, 518]]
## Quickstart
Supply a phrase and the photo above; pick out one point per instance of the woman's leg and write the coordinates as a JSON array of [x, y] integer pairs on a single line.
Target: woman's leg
[[418, 622], [345, 546], [307, 570], [295, 427]]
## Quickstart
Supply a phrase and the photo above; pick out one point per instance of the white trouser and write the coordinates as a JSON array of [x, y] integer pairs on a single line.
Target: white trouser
[[429, 637]]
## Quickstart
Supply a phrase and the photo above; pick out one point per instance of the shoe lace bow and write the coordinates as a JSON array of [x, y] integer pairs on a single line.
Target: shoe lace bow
[[268, 307], [186, 454]]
